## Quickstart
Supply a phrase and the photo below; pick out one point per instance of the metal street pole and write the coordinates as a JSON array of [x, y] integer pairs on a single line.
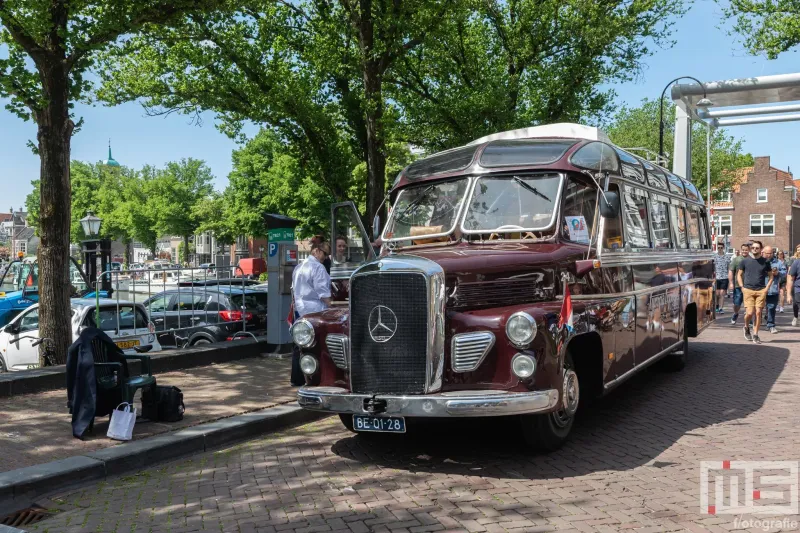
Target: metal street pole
[[702, 103]]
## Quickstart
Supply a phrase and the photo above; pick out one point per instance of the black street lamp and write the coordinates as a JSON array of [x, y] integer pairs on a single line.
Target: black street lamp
[[703, 102], [94, 247]]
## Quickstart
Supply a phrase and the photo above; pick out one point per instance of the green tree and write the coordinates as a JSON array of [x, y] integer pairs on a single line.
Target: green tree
[[638, 128], [48, 49], [767, 27], [173, 194], [498, 65]]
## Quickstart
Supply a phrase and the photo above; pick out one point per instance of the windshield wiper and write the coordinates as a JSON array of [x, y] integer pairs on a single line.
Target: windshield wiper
[[534, 190], [421, 197]]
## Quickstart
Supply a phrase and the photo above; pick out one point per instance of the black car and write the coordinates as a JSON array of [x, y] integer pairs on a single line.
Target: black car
[[206, 314]]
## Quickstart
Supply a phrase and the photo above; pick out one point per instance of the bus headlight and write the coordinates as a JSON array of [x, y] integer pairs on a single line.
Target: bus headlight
[[303, 333], [308, 364], [521, 329]]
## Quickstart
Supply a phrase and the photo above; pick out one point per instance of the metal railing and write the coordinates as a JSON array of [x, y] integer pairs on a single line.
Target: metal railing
[[184, 281]]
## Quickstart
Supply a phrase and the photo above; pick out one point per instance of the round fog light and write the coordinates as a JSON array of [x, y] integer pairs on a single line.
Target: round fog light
[[523, 366], [308, 365]]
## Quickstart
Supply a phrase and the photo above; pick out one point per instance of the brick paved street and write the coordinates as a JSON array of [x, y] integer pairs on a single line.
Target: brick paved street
[[633, 463], [36, 428]]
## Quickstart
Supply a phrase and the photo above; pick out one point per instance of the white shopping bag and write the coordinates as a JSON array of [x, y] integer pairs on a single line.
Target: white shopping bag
[[122, 421]]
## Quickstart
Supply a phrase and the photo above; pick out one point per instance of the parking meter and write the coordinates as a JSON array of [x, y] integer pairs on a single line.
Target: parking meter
[[281, 261]]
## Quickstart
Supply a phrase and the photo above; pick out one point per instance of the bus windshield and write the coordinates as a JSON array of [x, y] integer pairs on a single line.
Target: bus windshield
[[513, 203], [426, 210]]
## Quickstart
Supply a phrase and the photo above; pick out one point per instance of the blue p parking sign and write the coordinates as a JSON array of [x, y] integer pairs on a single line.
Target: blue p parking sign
[[273, 249]]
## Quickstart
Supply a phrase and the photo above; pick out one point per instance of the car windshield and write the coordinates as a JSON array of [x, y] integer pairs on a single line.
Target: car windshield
[[11, 277], [110, 318], [426, 210], [25, 276], [513, 203]]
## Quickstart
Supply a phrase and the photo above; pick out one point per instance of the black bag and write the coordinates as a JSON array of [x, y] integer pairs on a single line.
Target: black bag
[[166, 405]]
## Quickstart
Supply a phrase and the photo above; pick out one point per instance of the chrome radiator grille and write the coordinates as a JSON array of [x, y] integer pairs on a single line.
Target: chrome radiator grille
[[470, 349], [337, 349], [388, 333]]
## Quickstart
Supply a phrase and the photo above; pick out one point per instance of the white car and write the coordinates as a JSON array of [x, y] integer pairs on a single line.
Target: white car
[[16, 339]]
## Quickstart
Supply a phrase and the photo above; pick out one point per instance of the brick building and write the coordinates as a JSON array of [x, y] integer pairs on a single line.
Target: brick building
[[762, 206]]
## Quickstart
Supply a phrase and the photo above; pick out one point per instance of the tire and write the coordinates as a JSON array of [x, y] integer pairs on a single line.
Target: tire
[[676, 361], [347, 421], [201, 340], [547, 433], [2, 366]]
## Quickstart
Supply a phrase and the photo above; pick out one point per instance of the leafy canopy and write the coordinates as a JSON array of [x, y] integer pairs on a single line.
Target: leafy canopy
[[767, 27]]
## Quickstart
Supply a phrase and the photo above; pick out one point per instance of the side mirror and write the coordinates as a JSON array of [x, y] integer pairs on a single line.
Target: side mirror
[[376, 227], [11, 328], [609, 204]]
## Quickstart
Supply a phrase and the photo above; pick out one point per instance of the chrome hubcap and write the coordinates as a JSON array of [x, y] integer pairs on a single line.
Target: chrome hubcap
[[571, 392]]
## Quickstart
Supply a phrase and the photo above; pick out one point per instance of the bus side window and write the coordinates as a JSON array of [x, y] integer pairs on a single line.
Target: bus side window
[[694, 228], [678, 218], [612, 238], [580, 204], [634, 208], [659, 218]]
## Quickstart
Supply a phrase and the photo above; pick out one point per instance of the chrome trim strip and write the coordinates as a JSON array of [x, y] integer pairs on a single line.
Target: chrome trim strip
[[636, 368], [462, 404], [641, 258], [556, 202], [614, 295], [481, 339]]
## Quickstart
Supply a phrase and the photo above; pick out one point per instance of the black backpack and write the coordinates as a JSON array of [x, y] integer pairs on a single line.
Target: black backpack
[[165, 404]]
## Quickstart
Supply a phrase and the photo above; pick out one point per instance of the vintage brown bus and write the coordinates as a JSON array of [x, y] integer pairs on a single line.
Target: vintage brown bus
[[463, 312]]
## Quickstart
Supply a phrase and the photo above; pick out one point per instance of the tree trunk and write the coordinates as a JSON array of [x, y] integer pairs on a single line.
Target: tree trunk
[[185, 250], [54, 136], [128, 252], [376, 149]]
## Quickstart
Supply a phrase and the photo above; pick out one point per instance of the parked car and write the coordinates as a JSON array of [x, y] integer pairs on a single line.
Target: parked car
[[206, 314], [125, 322]]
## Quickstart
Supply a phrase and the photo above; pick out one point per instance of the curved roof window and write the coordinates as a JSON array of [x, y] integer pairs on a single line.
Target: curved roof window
[[596, 156], [691, 191], [524, 152], [449, 161], [675, 184]]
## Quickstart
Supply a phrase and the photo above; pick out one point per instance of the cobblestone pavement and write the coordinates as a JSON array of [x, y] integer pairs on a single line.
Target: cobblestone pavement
[[36, 428], [633, 464]]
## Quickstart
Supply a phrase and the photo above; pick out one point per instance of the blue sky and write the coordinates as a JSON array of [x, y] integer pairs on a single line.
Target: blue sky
[[702, 50]]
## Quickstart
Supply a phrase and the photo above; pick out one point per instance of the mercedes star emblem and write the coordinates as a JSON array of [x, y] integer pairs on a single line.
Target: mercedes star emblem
[[382, 323]]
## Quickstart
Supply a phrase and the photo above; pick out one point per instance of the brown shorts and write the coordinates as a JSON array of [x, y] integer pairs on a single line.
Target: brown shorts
[[754, 299]]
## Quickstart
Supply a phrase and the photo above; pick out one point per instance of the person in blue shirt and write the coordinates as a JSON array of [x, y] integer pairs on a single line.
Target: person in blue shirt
[[773, 293]]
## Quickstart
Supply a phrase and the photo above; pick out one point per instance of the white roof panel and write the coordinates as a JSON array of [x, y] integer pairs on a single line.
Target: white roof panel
[[563, 129]]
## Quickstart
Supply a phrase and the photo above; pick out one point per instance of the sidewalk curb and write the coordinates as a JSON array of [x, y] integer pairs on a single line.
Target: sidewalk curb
[[22, 487]]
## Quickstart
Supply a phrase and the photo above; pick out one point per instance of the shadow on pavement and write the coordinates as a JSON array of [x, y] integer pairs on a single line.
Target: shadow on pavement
[[630, 427]]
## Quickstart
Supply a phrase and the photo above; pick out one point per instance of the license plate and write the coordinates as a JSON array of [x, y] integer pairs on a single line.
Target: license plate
[[381, 424], [124, 345]]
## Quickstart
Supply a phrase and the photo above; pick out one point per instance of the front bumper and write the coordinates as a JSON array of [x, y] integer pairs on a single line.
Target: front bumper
[[445, 404]]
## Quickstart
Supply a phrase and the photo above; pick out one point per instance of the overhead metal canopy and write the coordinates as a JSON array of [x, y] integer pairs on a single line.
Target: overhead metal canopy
[[728, 97]]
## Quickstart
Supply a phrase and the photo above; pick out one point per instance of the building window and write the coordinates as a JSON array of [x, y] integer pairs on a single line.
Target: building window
[[723, 225], [723, 196], [762, 225], [761, 195]]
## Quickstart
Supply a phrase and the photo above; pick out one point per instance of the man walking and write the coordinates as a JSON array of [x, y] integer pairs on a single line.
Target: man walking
[[793, 286], [773, 292], [738, 298], [751, 275], [311, 290], [722, 265]]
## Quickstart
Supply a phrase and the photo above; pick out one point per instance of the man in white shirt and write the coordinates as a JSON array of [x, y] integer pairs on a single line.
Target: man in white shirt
[[311, 287]]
